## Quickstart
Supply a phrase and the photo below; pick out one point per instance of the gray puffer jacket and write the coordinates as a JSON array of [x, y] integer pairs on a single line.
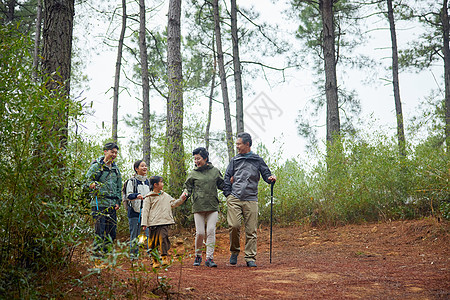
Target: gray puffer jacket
[[245, 170]]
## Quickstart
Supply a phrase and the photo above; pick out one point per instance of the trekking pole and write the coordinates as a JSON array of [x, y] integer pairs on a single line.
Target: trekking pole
[[271, 210]]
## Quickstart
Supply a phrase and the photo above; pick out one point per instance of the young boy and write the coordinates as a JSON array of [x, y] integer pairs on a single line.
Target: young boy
[[157, 216]]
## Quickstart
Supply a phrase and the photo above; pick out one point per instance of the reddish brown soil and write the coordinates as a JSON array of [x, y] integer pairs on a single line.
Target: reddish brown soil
[[394, 260]]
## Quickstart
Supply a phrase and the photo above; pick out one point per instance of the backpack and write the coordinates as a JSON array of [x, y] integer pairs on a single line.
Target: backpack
[[124, 191]]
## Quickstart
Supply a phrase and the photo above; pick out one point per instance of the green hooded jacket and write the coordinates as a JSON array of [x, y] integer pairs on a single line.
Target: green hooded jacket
[[201, 185], [109, 181]]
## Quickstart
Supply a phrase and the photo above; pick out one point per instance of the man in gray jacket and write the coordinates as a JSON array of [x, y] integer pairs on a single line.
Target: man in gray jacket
[[241, 189]]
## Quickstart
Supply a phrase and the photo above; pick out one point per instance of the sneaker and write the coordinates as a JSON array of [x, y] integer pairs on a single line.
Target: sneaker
[[233, 259], [197, 261], [210, 263], [251, 264]]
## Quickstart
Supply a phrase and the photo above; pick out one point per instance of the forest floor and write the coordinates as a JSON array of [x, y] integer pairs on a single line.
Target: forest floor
[[392, 260]]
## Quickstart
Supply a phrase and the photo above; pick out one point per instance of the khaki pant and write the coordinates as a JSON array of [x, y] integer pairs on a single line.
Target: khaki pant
[[239, 211]]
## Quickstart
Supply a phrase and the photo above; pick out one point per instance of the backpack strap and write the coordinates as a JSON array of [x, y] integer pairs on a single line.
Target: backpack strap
[[135, 188]]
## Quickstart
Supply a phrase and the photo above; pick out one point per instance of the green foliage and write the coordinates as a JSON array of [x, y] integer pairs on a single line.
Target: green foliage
[[23, 12], [361, 181], [41, 221], [431, 192], [348, 36], [427, 48]]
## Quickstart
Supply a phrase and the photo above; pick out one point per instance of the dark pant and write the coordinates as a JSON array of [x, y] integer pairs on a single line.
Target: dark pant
[[158, 239], [105, 219], [135, 228]]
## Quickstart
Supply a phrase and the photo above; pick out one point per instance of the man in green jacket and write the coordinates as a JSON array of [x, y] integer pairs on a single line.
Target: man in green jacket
[[105, 182]]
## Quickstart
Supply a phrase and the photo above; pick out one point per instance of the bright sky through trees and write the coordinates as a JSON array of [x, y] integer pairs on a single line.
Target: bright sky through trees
[[271, 106]]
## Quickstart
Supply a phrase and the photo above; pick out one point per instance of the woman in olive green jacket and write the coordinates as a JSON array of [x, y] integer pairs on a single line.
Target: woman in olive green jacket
[[201, 185]]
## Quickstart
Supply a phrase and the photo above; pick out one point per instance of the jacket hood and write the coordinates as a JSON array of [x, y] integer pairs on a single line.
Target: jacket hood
[[100, 160], [204, 167], [250, 154], [154, 194]]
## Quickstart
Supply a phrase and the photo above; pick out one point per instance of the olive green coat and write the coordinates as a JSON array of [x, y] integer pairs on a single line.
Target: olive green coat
[[201, 186]]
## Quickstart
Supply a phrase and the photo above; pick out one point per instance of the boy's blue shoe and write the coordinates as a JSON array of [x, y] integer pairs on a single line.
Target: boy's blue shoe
[[233, 259]]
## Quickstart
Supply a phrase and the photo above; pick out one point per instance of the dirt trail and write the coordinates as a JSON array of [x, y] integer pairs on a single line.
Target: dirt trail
[[394, 260]]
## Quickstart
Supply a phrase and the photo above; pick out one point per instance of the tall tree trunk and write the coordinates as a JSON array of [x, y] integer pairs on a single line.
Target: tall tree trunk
[[333, 121], [57, 50], [395, 82], [237, 69], [37, 39], [175, 100], [146, 138], [211, 95], [11, 6], [446, 47], [223, 81], [115, 121]]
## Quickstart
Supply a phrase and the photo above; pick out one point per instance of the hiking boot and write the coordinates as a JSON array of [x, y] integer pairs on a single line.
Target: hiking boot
[[165, 260], [198, 260], [99, 264], [233, 259], [210, 263], [156, 264], [251, 264]]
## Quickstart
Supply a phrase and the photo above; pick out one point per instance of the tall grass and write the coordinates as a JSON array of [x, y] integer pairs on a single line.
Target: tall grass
[[40, 218], [360, 181]]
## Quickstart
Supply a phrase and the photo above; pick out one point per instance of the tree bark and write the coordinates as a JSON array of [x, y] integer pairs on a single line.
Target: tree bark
[[146, 138], [211, 94], [115, 120], [395, 82], [11, 6], [223, 81], [175, 100], [446, 50], [333, 121], [37, 39], [57, 50], [237, 69]]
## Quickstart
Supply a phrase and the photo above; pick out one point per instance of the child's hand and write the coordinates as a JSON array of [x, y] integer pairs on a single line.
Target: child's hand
[[183, 196]]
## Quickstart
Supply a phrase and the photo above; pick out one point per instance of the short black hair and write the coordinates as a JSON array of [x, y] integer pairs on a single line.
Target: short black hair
[[246, 138], [202, 152], [110, 146]]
